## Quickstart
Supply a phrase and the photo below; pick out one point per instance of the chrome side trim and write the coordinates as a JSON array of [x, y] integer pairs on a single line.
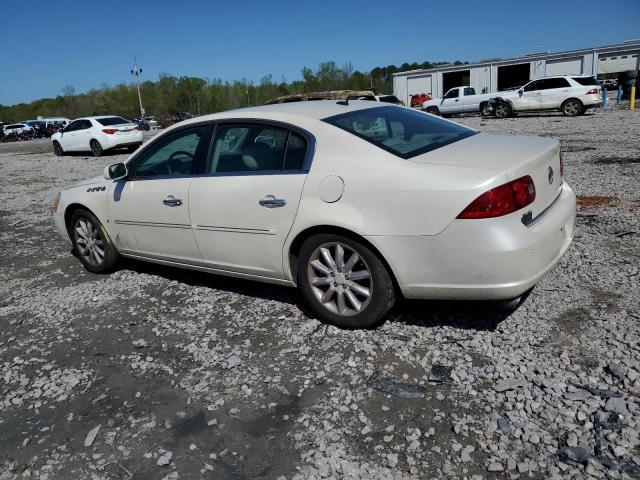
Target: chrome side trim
[[151, 224], [256, 231], [528, 220]]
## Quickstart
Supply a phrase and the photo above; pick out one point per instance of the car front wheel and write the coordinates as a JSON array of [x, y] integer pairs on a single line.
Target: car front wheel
[[344, 282], [92, 243], [486, 110], [57, 149], [502, 110]]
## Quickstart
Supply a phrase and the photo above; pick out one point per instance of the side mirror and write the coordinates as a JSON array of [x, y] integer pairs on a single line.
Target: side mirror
[[115, 171], [520, 92]]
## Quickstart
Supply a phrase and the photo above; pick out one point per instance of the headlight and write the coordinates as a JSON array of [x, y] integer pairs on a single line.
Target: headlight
[[56, 202]]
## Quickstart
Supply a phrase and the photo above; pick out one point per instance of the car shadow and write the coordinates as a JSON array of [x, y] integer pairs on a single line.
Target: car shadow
[[466, 315], [106, 153]]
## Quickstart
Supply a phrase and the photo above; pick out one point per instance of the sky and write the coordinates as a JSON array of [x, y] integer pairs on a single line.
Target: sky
[[46, 46]]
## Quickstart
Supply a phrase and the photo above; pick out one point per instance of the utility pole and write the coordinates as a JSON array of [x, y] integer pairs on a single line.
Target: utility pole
[[136, 71]]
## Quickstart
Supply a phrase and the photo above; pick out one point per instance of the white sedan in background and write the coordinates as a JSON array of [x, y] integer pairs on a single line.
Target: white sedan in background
[[353, 202], [97, 134], [17, 129]]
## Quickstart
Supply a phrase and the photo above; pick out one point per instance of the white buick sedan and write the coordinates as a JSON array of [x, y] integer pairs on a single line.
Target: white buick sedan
[[97, 134], [353, 202]]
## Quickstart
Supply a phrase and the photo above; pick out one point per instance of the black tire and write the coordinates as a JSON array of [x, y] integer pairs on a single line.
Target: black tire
[[572, 107], [57, 149], [88, 253], [486, 110], [503, 110], [96, 148], [433, 111], [379, 283]]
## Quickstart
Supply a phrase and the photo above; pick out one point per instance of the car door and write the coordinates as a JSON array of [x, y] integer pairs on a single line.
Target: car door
[[450, 102], [529, 96], [150, 208], [242, 210], [469, 102], [556, 90], [83, 135], [69, 138]]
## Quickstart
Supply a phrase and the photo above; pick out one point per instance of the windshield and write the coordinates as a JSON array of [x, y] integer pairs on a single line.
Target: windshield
[[112, 121], [401, 131]]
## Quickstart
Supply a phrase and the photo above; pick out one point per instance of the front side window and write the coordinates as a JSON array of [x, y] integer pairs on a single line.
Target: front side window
[[246, 148], [452, 93], [537, 85], [403, 132], [175, 156]]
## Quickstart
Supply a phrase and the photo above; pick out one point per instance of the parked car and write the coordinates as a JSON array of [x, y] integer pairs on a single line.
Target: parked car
[[418, 99], [572, 95], [459, 100], [153, 122], [17, 129], [334, 202], [97, 134]]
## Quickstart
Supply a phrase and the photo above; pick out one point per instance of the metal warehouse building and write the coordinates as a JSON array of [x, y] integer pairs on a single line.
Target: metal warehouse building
[[495, 75]]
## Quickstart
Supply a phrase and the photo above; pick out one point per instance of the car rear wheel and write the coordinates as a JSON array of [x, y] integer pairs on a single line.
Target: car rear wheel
[[502, 110], [92, 243], [96, 148], [344, 282], [572, 107], [433, 111], [57, 149]]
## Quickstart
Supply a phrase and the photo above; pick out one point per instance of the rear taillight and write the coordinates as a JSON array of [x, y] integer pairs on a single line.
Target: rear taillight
[[593, 91], [561, 166], [502, 200], [110, 131]]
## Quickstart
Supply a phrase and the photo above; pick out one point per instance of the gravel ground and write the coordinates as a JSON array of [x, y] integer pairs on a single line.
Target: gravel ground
[[153, 372]]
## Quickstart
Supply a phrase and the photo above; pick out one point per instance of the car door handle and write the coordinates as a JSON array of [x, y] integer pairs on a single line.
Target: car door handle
[[272, 202], [172, 201], [457, 100]]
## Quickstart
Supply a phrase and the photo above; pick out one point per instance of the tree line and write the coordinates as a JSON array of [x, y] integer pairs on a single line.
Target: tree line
[[172, 94]]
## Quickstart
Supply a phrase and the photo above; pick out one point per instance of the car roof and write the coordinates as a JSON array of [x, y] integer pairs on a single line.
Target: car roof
[[317, 110], [98, 117]]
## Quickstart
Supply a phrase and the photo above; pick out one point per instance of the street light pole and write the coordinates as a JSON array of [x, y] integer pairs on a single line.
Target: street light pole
[[136, 71]]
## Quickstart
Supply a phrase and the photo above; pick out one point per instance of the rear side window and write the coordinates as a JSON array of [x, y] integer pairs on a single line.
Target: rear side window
[[469, 91], [401, 131], [112, 121], [550, 83], [586, 81], [255, 148]]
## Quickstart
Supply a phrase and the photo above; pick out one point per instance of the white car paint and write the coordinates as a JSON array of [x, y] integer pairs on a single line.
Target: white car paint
[[536, 95], [117, 133], [405, 208], [16, 129], [457, 100]]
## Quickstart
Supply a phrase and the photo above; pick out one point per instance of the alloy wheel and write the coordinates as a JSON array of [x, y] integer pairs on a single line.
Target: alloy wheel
[[571, 108], [89, 242], [501, 110], [340, 278]]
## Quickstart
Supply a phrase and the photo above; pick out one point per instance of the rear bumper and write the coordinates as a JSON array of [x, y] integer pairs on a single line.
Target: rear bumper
[[490, 259], [120, 141]]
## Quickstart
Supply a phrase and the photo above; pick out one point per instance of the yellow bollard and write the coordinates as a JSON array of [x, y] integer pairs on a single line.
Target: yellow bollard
[[632, 100]]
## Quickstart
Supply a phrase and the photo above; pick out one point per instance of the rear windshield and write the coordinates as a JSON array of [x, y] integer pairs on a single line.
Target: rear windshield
[[401, 131], [112, 121], [586, 80]]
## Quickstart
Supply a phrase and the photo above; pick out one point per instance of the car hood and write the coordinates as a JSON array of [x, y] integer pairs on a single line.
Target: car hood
[[98, 181]]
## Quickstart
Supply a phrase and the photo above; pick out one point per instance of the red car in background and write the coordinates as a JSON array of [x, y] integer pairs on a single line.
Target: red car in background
[[419, 98]]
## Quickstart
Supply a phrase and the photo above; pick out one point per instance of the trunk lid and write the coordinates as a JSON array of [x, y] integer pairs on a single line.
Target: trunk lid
[[513, 155]]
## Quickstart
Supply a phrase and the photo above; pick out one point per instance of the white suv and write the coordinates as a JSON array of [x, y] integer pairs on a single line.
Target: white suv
[[572, 95]]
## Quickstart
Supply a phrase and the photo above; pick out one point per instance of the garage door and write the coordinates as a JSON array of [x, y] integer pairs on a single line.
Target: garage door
[[419, 85], [617, 63], [566, 66]]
